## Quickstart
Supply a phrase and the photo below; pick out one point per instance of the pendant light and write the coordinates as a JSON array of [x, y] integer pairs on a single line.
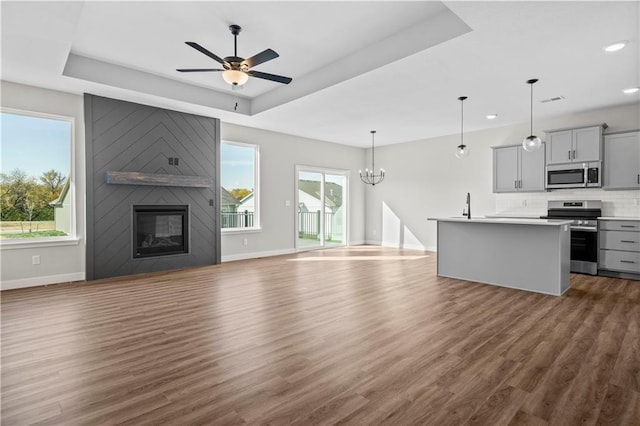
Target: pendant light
[[531, 143], [462, 150], [369, 176]]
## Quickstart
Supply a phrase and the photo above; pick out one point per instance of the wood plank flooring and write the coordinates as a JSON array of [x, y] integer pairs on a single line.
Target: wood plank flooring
[[354, 336]]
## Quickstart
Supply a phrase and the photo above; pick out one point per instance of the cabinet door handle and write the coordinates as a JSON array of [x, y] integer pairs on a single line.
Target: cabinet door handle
[[627, 261], [627, 226], [627, 241], [515, 184], [638, 179], [574, 154], [569, 152]]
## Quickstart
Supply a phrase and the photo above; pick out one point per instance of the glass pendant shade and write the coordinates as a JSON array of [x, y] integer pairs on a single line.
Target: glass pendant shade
[[235, 77], [531, 143], [462, 151]]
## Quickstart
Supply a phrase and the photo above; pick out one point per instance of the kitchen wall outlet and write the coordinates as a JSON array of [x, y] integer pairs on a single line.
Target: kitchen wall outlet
[[171, 161], [287, 203], [524, 203], [35, 260], [176, 161], [245, 241]]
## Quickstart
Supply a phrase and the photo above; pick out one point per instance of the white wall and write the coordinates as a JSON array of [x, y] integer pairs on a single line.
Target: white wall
[[279, 154], [425, 179], [61, 263]]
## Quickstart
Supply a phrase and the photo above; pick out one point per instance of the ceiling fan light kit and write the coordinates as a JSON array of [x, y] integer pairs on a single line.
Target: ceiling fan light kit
[[236, 70], [235, 77]]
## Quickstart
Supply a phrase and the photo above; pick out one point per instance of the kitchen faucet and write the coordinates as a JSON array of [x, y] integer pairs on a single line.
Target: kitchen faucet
[[467, 213]]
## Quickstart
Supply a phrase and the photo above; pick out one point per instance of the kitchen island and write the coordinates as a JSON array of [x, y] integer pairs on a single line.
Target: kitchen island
[[521, 253]]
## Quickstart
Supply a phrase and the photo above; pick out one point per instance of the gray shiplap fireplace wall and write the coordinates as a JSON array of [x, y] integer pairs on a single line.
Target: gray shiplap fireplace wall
[[127, 137]]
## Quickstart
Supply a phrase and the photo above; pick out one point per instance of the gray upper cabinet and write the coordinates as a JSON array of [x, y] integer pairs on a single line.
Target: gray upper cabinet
[[622, 161], [516, 170], [574, 145]]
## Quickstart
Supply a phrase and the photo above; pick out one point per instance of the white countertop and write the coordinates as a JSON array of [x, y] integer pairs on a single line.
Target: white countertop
[[504, 220], [517, 215], [618, 218]]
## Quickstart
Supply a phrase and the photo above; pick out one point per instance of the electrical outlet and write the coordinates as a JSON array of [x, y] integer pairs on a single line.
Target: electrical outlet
[[176, 161], [35, 260], [245, 241], [171, 161], [287, 203], [524, 203]]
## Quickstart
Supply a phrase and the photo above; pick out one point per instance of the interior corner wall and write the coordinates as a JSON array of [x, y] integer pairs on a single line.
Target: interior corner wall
[[59, 263], [279, 154], [129, 137], [424, 179]]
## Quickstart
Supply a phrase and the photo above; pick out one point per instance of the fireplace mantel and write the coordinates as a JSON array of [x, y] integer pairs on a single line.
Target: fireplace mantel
[[157, 179]]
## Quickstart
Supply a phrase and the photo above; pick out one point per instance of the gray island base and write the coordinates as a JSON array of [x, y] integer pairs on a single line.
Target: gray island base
[[525, 254]]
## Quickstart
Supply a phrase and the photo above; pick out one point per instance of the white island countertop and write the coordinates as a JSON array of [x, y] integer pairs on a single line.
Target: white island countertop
[[618, 218], [505, 220]]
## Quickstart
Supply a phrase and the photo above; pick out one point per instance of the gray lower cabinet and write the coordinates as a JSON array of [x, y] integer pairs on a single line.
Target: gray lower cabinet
[[622, 161], [619, 242], [516, 170]]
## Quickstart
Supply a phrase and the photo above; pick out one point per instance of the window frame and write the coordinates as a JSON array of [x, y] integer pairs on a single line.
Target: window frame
[[257, 227], [72, 238]]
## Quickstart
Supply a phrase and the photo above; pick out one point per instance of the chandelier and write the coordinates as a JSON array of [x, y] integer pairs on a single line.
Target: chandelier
[[369, 176]]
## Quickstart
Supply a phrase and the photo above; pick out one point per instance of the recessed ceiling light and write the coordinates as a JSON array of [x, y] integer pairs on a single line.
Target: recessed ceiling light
[[614, 47], [631, 90], [491, 116]]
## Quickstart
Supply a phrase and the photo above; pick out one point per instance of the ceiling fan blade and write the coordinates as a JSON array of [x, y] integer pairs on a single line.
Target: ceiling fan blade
[[199, 69], [272, 77], [206, 52], [262, 57]]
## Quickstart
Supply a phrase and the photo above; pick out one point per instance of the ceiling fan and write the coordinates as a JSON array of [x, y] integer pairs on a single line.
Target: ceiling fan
[[236, 70]]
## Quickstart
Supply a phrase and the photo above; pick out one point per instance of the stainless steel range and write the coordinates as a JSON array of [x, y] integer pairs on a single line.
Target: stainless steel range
[[584, 231]]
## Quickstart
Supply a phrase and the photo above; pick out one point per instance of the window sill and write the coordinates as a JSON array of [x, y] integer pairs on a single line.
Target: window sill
[[38, 243], [233, 231]]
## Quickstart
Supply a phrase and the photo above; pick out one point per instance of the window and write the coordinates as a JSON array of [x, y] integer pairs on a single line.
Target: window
[[239, 202], [36, 189]]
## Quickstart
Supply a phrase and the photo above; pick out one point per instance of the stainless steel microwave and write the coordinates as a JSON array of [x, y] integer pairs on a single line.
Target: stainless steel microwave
[[574, 175]]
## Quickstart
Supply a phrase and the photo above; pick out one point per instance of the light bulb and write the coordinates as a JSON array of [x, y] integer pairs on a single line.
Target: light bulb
[[531, 143], [235, 77], [462, 151]]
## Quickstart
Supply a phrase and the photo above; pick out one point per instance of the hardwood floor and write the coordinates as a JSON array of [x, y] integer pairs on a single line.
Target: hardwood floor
[[355, 336]]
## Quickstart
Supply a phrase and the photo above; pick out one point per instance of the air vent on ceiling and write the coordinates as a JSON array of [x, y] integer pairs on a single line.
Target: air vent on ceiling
[[555, 98]]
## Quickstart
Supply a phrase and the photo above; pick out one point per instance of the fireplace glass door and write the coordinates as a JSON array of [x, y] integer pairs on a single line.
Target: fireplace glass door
[[160, 230]]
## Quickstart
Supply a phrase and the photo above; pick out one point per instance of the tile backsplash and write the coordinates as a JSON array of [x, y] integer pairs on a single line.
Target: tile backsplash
[[614, 203]]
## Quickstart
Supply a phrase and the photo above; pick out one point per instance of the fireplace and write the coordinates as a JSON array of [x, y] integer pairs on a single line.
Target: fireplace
[[160, 230]]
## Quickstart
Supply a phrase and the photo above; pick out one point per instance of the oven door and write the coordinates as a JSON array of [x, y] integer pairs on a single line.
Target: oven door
[[584, 250], [566, 177]]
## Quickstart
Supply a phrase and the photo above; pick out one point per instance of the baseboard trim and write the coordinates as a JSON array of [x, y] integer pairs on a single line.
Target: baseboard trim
[[40, 281], [254, 255]]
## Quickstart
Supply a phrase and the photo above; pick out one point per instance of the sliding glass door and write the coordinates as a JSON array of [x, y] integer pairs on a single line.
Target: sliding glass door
[[321, 197]]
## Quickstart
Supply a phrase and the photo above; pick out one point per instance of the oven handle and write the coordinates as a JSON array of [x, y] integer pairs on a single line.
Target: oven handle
[[584, 228]]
